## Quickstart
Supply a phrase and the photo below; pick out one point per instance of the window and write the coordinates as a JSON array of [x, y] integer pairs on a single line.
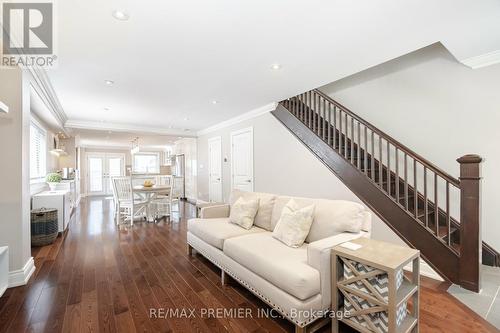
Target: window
[[146, 163], [38, 151]]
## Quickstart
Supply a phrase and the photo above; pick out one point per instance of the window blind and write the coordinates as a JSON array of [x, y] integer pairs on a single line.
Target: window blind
[[38, 151]]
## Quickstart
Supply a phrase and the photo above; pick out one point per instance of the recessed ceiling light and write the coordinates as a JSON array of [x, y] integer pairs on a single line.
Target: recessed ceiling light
[[121, 15], [109, 82], [275, 67], [215, 102], [186, 118], [179, 137]]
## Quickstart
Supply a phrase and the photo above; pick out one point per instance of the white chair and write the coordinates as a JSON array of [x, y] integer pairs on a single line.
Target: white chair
[[177, 183], [164, 180], [125, 204], [162, 204], [139, 181]]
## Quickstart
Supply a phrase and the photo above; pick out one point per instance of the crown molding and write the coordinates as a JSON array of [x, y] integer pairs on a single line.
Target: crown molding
[[245, 116], [40, 82], [100, 126], [483, 60]]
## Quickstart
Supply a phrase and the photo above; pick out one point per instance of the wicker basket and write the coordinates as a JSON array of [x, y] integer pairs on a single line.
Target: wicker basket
[[44, 226]]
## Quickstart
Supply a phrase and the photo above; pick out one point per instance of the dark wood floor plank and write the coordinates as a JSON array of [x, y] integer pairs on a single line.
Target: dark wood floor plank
[[168, 285], [165, 302]]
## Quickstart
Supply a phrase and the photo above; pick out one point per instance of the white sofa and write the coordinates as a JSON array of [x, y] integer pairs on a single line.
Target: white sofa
[[294, 281]]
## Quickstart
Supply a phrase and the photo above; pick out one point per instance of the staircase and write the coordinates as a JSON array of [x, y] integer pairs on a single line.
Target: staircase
[[428, 208]]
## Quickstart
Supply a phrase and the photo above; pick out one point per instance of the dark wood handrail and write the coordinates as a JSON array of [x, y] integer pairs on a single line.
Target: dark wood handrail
[[396, 143]]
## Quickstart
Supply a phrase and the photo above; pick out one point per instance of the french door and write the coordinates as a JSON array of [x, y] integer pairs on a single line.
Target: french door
[[101, 168]]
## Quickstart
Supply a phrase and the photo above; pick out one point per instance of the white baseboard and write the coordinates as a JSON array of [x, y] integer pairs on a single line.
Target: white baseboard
[[21, 276]]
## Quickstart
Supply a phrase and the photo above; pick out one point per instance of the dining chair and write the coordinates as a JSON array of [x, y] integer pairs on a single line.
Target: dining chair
[[162, 204], [126, 204], [177, 183], [115, 198]]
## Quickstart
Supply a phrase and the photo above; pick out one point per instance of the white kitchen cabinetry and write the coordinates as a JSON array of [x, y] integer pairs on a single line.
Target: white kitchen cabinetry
[[59, 200], [72, 188]]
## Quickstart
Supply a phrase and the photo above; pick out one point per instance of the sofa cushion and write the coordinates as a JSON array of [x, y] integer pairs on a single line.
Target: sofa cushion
[[331, 217], [216, 231], [266, 204], [294, 224], [243, 212], [283, 266]]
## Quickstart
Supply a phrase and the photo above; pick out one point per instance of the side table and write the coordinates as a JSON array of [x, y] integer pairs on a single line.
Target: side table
[[369, 283]]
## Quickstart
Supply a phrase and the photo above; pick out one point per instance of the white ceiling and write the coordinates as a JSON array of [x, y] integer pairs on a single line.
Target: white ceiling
[[171, 59]]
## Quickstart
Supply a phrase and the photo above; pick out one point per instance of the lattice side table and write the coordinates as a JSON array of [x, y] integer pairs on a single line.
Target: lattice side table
[[370, 284]]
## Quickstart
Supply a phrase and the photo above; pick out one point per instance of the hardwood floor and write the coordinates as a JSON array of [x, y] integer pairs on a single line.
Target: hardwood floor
[[101, 278]]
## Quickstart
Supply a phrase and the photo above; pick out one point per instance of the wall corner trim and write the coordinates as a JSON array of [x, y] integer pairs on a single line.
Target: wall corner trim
[[21, 276], [482, 60], [238, 119]]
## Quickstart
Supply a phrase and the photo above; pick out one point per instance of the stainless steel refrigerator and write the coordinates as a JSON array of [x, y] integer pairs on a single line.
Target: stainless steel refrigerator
[[178, 167]]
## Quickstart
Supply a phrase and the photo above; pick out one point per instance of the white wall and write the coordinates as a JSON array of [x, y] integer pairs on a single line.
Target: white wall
[[14, 174], [440, 109]]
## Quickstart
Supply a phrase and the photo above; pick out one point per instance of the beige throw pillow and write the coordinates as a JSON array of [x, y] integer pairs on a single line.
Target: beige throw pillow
[[243, 212], [294, 224]]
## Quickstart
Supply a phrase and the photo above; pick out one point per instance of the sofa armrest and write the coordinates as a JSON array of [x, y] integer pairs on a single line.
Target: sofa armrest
[[318, 256], [218, 211]]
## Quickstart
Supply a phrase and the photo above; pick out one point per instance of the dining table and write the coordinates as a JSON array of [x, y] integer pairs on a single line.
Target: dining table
[[149, 193]]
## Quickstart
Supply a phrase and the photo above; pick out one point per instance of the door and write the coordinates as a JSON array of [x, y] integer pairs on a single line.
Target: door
[[215, 169], [101, 167], [115, 167], [95, 174], [242, 160]]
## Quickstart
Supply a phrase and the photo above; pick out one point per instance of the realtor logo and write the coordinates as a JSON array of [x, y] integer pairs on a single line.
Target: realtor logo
[[28, 34]]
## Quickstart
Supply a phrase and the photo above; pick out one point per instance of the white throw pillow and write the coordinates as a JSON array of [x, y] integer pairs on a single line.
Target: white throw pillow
[[294, 224], [243, 212]]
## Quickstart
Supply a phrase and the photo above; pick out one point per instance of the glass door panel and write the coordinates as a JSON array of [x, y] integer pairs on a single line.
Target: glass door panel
[[96, 175], [115, 169], [102, 167]]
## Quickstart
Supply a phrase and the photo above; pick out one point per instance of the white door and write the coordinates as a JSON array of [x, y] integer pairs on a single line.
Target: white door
[[215, 169], [242, 159], [101, 167]]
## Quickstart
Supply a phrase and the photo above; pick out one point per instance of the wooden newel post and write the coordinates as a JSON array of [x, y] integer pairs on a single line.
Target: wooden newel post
[[470, 222]]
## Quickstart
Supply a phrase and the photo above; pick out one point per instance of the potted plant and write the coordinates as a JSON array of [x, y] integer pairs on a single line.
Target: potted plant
[[53, 179]]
